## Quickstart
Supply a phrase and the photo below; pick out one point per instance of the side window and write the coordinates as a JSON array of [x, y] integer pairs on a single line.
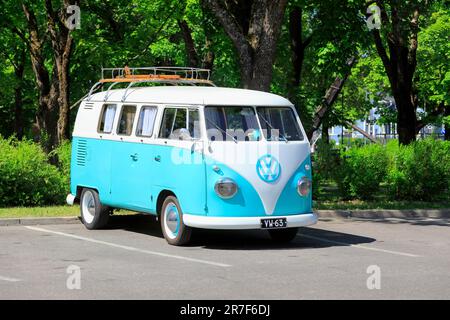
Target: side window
[[125, 126], [146, 121], [180, 124], [107, 118], [194, 123]]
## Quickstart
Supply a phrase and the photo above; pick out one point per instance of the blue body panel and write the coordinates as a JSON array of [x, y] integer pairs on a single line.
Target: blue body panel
[[122, 182], [289, 201], [126, 175], [246, 202]]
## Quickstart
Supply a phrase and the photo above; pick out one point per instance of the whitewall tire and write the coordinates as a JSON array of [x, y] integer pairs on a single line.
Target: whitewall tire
[[93, 214], [174, 230]]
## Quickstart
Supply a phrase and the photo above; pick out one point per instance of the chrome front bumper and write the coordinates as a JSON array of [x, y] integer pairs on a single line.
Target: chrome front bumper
[[242, 223]]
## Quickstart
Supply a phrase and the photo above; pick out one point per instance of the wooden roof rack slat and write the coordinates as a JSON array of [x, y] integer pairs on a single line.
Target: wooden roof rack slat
[[163, 75]]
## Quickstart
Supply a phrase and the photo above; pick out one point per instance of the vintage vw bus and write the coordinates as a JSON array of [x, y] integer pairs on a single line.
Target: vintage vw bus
[[195, 155]]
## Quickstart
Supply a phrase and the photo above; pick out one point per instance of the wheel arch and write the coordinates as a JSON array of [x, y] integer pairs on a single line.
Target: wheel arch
[[80, 189], [161, 197]]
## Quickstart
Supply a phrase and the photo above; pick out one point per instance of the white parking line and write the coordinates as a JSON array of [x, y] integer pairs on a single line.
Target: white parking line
[[217, 264], [360, 246], [9, 279]]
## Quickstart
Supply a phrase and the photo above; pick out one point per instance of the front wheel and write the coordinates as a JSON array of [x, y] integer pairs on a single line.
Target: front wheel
[[283, 235], [93, 214], [175, 231]]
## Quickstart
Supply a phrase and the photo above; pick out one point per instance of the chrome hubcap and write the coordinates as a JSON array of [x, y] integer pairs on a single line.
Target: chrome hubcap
[[171, 220]]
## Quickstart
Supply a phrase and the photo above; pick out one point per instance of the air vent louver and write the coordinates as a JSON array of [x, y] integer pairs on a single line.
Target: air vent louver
[[81, 153]]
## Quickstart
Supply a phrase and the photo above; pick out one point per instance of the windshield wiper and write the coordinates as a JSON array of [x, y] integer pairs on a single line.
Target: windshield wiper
[[223, 131], [267, 122]]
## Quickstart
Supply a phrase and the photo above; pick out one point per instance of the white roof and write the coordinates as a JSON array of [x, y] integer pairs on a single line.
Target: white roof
[[193, 96]]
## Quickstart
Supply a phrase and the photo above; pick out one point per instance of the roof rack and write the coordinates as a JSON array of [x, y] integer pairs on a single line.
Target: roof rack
[[164, 75]]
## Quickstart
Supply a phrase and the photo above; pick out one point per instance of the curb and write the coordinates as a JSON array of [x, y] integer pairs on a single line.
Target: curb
[[323, 214], [386, 214], [38, 221]]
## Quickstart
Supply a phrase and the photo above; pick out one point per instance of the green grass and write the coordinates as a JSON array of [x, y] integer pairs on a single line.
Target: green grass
[[47, 212], [329, 199], [33, 212], [379, 204]]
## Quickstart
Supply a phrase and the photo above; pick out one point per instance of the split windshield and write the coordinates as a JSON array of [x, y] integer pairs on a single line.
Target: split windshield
[[279, 123], [241, 124]]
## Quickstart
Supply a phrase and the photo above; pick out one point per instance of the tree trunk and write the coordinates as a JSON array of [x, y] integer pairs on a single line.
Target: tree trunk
[[401, 64], [208, 59], [18, 96], [406, 117], [62, 43], [358, 129], [62, 63], [47, 114], [52, 118], [63, 103], [298, 47], [192, 56], [330, 97], [254, 28], [325, 134]]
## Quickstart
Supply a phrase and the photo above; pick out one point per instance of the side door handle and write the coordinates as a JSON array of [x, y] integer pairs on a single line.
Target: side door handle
[[134, 157], [158, 158]]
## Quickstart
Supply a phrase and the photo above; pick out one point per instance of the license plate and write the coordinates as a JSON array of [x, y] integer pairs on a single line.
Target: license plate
[[273, 223]]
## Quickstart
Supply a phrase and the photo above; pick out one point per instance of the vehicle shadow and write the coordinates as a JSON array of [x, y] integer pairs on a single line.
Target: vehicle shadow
[[307, 238], [139, 223]]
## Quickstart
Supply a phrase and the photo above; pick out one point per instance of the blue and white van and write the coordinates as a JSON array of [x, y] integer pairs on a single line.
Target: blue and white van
[[196, 156]]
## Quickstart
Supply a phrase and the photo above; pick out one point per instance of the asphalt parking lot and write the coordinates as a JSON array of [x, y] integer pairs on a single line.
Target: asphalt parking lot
[[410, 259]]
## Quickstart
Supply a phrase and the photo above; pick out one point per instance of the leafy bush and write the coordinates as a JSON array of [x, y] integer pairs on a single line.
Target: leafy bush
[[419, 171], [361, 170], [318, 180], [63, 154], [324, 162], [26, 176]]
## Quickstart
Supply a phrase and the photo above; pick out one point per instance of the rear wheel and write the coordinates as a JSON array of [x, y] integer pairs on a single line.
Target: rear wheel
[[283, 235], [175, 231], [93, 214]]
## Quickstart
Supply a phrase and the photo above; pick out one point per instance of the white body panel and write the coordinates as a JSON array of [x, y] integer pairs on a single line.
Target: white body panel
[[89, 111]]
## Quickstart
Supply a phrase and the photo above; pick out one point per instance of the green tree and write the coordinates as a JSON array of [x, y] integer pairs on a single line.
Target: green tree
[[433, 71], [397, 44], [317, 51], [254, 28]]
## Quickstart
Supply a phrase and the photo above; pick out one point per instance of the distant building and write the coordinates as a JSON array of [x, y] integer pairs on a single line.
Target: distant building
[[383, 132]]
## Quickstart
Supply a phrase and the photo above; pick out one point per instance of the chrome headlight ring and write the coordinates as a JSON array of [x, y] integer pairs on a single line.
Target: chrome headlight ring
[[226, 188]]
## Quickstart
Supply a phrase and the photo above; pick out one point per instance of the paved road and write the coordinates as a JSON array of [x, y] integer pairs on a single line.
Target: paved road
[[131, 260]]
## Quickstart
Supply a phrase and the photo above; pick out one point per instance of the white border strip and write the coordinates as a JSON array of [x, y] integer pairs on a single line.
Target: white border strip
[[359, 246], [9, 279], [114, 245]]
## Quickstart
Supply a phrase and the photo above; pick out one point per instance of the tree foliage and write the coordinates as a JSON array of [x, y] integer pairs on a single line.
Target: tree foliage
[[298, 49]]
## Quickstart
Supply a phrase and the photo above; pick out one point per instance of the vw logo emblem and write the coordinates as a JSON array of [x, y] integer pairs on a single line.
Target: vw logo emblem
[[268, 168]]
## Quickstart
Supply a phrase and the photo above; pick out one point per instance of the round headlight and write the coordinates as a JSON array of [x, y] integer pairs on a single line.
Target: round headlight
[[304, 186], [226, 188]]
